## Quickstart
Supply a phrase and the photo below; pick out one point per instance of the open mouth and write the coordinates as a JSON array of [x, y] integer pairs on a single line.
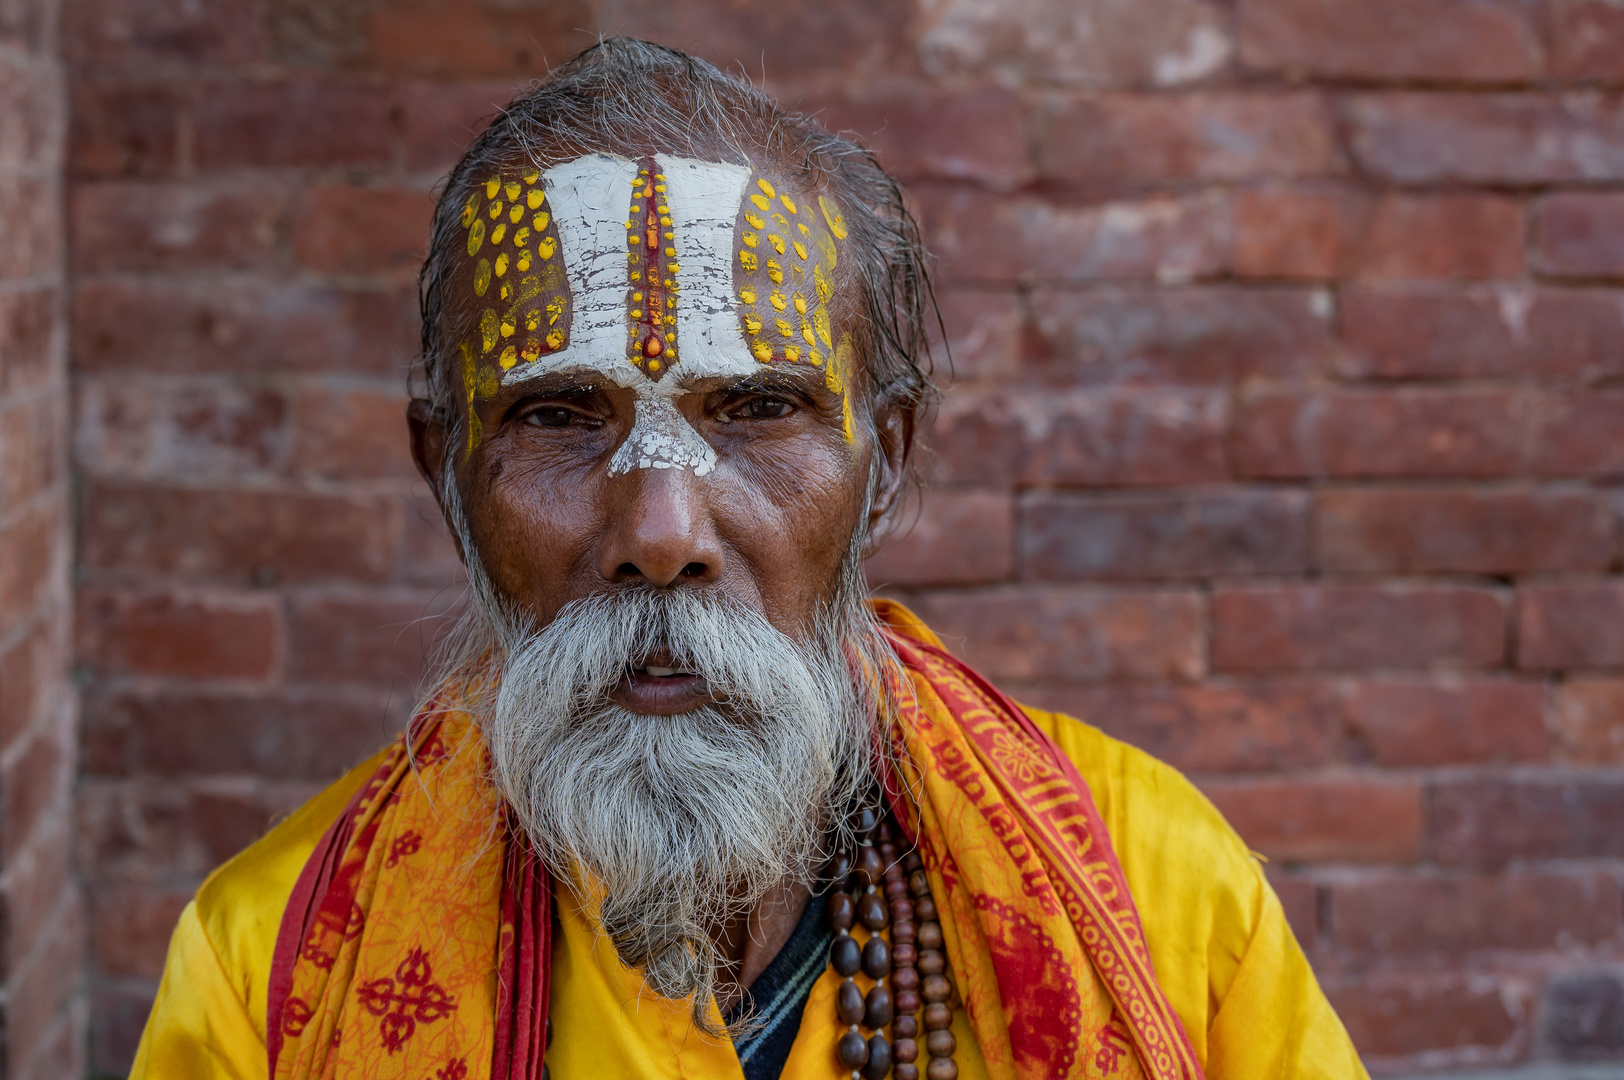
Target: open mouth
[[656, 672], [661, 685]]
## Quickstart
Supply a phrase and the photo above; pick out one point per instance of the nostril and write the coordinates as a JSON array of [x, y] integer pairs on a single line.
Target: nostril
[[626, 570], [694, 569]]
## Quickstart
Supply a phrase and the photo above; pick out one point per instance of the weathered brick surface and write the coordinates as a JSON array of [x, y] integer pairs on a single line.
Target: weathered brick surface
[[1281, 437]]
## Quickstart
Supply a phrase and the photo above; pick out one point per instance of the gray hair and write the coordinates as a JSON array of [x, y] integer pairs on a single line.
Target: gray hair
[[635, 98]]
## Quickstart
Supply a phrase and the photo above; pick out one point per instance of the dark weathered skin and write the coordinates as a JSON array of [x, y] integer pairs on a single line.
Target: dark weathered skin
[[768, 527]]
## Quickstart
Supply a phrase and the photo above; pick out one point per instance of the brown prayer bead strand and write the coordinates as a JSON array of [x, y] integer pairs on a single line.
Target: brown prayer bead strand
[[934, 987]]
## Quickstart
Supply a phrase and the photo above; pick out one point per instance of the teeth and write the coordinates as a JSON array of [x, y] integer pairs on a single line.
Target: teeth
[[663, 672]]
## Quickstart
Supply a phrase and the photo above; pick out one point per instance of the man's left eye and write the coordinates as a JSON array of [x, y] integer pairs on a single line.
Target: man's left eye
[[553, 417], [767, 408]]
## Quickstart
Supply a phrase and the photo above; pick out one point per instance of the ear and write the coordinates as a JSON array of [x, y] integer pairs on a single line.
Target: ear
[[893, 451], [431, 440]]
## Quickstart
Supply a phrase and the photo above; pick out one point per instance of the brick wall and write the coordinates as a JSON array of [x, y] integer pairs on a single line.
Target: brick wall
[[41, 920], [1284, 441]]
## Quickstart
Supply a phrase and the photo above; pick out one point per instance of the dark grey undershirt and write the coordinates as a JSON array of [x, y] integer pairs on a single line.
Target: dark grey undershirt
[[778, 996]]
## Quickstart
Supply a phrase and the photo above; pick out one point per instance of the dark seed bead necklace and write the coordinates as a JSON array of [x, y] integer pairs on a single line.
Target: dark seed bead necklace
[[872, 886]]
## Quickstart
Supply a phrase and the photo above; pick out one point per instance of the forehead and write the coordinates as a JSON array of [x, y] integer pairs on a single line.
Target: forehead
[[647, 271]]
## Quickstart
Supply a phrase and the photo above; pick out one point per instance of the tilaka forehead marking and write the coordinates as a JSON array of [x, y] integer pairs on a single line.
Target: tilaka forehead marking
[[630, 269]]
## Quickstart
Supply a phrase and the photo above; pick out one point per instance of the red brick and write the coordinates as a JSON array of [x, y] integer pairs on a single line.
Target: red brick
[[1202, 334], [1341, 819], [46, 985], [1576, 624], [1470, 531], [1208, 727], [1134, 138], [1299, 898], [1076, 634], [130, 928], [1346, 434], [101, 33], [1587, 39], [348, 230], [1400, 1016], [1404, 723], [978, 135], [362, 638], [31, 558], [1580, 234], [1411, 916], [316, 124], [124, 129], [1589, 722], [1441, 40], [198, 636], [33, 454], [1512, 330], [32, 671], [1488, 138], [461, 38], [1349, 627], [240, 537], [36, 782], [30, 332], [1495, 819], [32, 111], [33, 247], [984, 334], [954, 538], [344, 434], [444, 119], [146, 226], [259, 328], [1442, 237], [1066, 536], [1578, 436], [979, 237], [303, 734], [1093, 437], [1160, 42], [40, 882], [1294, 232], [151, 428]]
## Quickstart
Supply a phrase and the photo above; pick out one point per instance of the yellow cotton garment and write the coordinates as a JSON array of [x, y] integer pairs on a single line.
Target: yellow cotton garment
[[1222, 952]]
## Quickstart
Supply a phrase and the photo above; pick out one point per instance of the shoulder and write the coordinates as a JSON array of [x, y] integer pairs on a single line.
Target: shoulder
[[239, 907], [1201, 893]]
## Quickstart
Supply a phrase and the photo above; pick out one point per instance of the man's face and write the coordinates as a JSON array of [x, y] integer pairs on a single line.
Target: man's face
[[661, 395]]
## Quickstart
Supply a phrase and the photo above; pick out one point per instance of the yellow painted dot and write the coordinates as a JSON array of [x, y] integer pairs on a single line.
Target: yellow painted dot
[[636, 276], [781, 219], [498, 232], [654, 365], [630, 226], [814, 356], [516, 213], [487, 329], [476, 237], [492, 186], [755, 222], [800, 304], [512, 190], [785, 330], [555, 310], [804, 230], [747, 259], [789, 204], [631, 256], [555, 339], [508, 326], [670, 301], [832, 215], [791, 353], [664, 220], [510, 356], [546, 247], [775, 271], [747, 295], [523, 262], [659, 187], [532, 319], [637, 208], [750, 239], [821, 280], [806, 334], [800, 251], [776, 241], [673, 267], [659, 176], [495, 210], [760, 201], [482, 277], [752, 324], [470, 209], [820, 323], [531, 175], [776, 300], [761, 351], [670, 251], [531, 351], [534, 198], [637, 296], [766, 188], [504, 290], [501, 264], [637, 313]]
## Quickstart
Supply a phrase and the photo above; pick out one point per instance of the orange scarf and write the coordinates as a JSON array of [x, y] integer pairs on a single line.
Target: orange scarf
[[416, 942]]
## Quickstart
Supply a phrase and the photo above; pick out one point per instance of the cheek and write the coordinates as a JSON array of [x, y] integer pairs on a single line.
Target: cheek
[[533, 525], [791, 516]]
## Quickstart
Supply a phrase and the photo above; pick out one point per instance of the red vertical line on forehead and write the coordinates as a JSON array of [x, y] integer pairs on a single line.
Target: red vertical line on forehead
[[651, 242]]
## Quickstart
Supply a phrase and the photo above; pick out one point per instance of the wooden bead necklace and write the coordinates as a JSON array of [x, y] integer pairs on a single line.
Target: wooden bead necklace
[[876, 888]]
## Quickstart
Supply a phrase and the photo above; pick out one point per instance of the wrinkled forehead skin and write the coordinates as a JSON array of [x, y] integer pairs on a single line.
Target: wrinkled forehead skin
[[652, 273]]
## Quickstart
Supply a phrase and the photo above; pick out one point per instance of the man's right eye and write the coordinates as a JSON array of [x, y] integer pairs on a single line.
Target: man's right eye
[[550, 416]]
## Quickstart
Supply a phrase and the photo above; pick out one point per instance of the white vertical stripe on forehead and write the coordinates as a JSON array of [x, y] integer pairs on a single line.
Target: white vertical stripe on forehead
[[589, 198], [704, 197]]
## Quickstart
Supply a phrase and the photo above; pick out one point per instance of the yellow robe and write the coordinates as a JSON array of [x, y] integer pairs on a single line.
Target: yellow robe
[[1223, 953]]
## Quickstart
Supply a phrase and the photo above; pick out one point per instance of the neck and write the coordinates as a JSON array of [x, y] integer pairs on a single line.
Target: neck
[[749, 942]]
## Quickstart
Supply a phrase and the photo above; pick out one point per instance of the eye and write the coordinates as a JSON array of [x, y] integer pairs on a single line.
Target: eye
[[550, 416], [765, 408]]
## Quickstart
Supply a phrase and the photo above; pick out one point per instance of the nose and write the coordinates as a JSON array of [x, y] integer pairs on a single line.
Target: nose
[[660, 531]]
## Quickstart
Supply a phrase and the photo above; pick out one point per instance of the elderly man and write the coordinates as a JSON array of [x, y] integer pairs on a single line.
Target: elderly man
[[682, 800]]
